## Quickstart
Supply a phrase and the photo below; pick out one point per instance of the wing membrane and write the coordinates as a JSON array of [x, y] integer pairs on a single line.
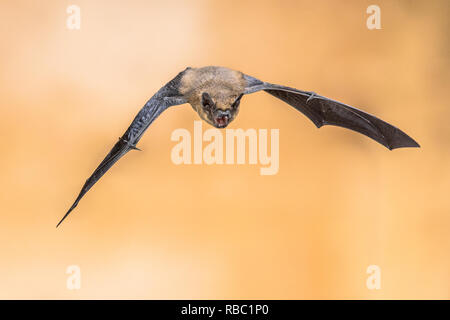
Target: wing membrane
[[167, 96], [324, 111]]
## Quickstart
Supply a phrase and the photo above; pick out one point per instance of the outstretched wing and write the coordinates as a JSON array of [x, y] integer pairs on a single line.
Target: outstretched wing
[[323, 111], [167, 96]]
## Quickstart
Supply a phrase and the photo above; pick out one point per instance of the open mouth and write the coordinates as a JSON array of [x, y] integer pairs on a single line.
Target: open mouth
[[221, 122]]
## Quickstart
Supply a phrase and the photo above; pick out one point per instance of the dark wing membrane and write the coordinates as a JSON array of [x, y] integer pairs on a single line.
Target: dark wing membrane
[[324, 111], [119, 149], [164, 98]]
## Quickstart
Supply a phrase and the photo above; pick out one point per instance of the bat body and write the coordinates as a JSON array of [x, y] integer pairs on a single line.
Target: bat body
[[215, 94]]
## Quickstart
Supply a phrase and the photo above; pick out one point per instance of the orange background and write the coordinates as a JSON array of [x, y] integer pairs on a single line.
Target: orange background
[[151, 229]]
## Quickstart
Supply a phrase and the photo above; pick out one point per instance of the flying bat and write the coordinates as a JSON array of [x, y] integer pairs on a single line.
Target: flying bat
[[215, 94]]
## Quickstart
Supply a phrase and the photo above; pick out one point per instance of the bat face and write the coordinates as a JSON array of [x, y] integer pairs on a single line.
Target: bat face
[[214, 93], [218, 110]]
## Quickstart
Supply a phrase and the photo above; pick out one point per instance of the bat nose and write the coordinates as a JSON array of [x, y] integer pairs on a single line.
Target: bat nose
[[223, 113], [222, 118]]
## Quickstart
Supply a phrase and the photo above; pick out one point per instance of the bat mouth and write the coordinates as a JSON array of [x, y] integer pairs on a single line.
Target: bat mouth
[[221, 121]]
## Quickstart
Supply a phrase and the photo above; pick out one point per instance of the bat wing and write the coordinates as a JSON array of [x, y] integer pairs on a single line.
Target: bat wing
[[167, 96], [323, 111]]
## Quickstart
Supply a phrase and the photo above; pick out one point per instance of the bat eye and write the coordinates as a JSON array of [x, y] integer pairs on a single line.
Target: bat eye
[[206, 105]]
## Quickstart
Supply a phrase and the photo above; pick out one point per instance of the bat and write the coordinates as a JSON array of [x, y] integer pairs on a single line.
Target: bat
[[215, 94]]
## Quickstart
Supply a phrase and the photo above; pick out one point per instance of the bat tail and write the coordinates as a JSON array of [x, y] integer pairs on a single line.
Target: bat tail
[[117, 152]]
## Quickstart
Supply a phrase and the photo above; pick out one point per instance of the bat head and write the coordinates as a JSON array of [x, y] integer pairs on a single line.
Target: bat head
[[214, 93], [218, 110]]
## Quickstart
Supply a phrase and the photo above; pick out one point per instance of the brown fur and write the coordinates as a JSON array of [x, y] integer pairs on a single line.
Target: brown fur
[[222, 84]]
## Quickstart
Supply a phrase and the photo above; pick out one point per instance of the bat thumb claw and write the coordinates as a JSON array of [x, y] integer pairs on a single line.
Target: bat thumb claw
[[131, 146], [312, 96], [135, 148]]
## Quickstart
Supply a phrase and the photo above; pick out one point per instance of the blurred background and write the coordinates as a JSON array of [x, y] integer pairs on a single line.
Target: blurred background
[[153, 230]]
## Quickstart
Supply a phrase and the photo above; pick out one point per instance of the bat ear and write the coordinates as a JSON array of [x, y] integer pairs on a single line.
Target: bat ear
[[207, 102], [237, 101], [206, 96]]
